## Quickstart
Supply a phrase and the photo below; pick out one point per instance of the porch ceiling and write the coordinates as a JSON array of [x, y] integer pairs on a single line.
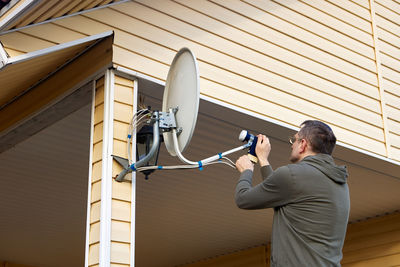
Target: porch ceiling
[[182, 216]]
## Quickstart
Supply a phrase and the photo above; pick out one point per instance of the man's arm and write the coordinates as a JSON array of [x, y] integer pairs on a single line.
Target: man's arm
[[274, 191]]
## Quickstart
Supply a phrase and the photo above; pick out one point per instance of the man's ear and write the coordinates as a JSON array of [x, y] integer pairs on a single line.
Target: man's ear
[[303, 145]]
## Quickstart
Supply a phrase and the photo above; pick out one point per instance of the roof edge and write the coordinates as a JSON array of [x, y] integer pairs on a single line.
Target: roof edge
[[19, 11]]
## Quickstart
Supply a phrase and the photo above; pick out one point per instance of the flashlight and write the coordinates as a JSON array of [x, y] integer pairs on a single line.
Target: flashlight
[[252, 139]]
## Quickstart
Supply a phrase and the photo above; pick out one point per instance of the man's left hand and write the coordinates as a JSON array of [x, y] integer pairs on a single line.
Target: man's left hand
[[244, 163]]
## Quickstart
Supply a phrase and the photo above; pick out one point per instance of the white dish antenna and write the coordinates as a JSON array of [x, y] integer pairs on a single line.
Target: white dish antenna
[[181, 96], [177, 120]]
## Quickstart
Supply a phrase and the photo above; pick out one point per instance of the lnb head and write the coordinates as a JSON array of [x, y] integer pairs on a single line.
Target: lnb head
[[245, 136]]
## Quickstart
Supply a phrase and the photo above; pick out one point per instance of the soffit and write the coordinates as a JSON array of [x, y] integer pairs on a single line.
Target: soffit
[[37, 11]]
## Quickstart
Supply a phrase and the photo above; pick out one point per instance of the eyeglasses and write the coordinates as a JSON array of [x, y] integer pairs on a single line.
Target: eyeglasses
[[293, 139]]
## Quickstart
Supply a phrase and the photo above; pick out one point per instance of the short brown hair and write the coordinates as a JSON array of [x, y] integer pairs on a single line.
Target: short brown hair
[[319, 135]]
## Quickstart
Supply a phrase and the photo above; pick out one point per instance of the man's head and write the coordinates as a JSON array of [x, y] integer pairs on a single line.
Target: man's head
[[314, 137]]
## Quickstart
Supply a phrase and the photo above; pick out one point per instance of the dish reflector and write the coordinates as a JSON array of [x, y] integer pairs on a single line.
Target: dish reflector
[[182, 92]]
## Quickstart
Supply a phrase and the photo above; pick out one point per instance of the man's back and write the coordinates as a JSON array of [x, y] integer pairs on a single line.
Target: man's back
[[311, 204], [310, 229]]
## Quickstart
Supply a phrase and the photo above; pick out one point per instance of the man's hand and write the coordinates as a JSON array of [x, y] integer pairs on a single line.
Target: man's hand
[[244, 163], [263, 149]]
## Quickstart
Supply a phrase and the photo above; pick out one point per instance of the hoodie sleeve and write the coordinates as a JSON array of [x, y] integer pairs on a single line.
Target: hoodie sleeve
[[274, 191]]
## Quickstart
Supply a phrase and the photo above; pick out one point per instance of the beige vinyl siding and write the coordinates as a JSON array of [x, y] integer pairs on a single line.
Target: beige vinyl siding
[[387, 14], [95, 194], [121, 192], [288, 61], [287, 76], [373, 243]]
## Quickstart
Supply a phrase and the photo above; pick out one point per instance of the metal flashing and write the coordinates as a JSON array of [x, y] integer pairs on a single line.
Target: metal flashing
[[3, 56], [23, 8]]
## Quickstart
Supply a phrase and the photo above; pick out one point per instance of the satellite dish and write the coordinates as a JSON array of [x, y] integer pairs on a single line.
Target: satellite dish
[[177, 120], [181, 94]]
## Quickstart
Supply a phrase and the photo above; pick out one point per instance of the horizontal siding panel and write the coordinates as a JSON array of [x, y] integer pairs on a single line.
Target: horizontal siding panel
[[390, 4], [95, 212], [304, 35], [240, 69], [119, 148], [290, 69], [121, 191], [121, 210], [120, 231], [375, 242], [325, 14], [389, 49], [393, 113], [94, 251], [28, 45], [395, 140], [120, 253], [359, 8], [95, 195], [362, 3], [372, 226], [388, 36], [389, 26], [391, 87], [13, 52], [99, 114], [97, 152], [287, 95], [122, 112], [259, 106], [98, 133], [340, 13], [136, 62], [395, 152], [391, 260], [389, 14], [57, 34], [389, 61], [392, 100], [394, 126], [314, 26], [210, 71], [121, 130], [370, 240], [372, 253], [94, 233], [258, 33], [391, 74], [96, 171], [149, 48]]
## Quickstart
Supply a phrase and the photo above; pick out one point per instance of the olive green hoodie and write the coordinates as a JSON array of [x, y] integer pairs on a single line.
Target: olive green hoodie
[[311, 209]]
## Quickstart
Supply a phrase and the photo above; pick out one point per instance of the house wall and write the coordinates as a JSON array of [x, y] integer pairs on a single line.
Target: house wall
[[374, 243], [110, 201], [289, 61]]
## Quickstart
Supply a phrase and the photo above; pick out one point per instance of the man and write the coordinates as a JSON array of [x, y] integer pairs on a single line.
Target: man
[[310, 198]]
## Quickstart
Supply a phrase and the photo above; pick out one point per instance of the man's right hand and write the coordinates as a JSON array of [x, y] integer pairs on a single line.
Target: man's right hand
[[263, 149]]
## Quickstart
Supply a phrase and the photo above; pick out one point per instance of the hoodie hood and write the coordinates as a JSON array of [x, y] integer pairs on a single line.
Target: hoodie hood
[[326, 165]]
